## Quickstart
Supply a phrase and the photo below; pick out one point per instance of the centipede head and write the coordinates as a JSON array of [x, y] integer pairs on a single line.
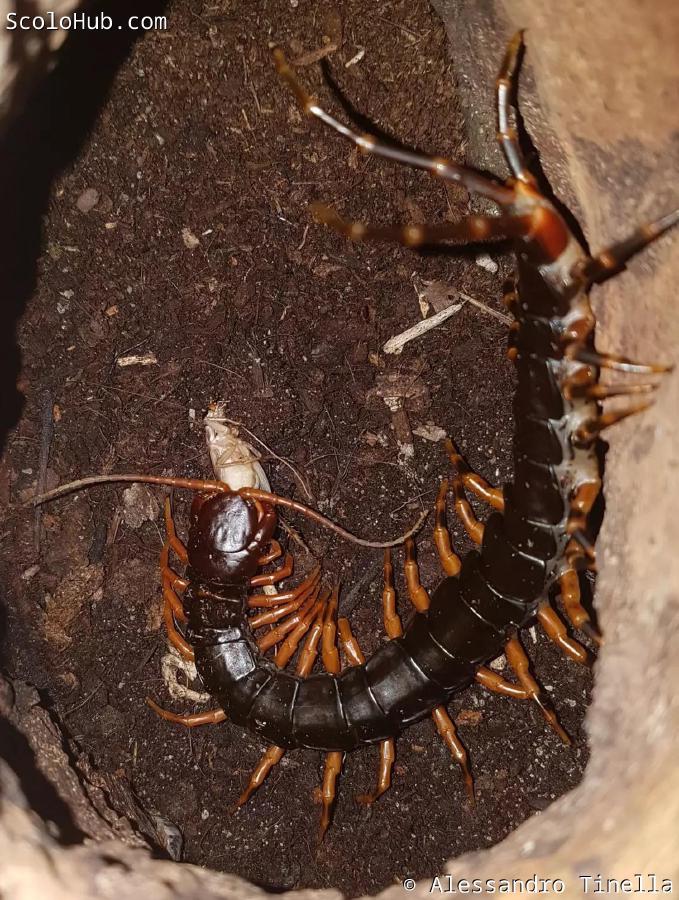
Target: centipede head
[[227, 535]]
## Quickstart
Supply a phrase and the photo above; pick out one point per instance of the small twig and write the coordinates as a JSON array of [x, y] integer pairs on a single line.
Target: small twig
[[303, 238], [398, 342], [314, 56], [46, 434], [486, 309]]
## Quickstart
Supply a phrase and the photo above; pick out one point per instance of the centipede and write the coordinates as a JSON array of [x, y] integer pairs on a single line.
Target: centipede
[[534, 546]]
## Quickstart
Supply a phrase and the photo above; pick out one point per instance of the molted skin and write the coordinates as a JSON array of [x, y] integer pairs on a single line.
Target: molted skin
[[470, 616]]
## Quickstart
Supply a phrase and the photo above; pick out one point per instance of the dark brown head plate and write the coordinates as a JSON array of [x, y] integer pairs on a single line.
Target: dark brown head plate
[[227, 537]]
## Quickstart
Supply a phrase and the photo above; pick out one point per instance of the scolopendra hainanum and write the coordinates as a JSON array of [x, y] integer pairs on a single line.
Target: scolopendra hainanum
[[537, 537]]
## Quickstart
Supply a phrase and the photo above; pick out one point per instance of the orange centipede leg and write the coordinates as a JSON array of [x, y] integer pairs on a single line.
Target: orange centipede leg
[[333, 760], [274, 577], [387, 750], [350, 646], [417, 594], [555, 630], [211, 717], [329, 653], [331, 772], [291, 642], [450, 561], [283, 628], [446, 728], [444, 724], [392, 621], [527, 689], [174, 636], [387, 758], [257, 601], [273, 755], [269, 616], [275, 551], [472, 525], [473, 481], [578, 616], [518, 661], [171, 532]]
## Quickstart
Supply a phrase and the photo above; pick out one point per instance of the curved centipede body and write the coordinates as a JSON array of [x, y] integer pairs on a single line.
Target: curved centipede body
[[536, 538]]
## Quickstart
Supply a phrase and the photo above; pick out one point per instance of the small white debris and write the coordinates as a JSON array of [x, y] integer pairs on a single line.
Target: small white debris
[[87, 200], [30, 573], [143, 359], [396, 344], [192, 415], [430, 432], [355, 59], [483, 261], [498, 664], [205, 814], [189, 238], [170, 666]]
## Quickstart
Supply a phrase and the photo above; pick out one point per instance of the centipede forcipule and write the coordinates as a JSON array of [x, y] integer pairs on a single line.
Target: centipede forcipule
[[537, 537]]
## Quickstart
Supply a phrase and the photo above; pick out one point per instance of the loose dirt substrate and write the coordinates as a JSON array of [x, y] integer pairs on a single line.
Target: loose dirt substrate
[[200, 251]]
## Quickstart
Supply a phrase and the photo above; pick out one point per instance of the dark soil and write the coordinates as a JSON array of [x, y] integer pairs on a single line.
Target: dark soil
[[285, 321]]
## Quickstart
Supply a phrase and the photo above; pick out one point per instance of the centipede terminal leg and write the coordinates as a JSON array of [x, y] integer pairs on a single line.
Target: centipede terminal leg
[[507, 113]]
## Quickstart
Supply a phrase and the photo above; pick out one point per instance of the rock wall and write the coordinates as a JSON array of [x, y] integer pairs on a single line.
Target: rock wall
[[599, 93]]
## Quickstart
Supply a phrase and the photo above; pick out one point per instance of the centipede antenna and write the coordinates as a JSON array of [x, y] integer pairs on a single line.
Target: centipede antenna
[[276, 500], [191, 484], [507, 112], [199, 484], [444, 168]]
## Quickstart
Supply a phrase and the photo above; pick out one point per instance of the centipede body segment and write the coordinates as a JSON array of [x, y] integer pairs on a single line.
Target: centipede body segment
[[535, 541]]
